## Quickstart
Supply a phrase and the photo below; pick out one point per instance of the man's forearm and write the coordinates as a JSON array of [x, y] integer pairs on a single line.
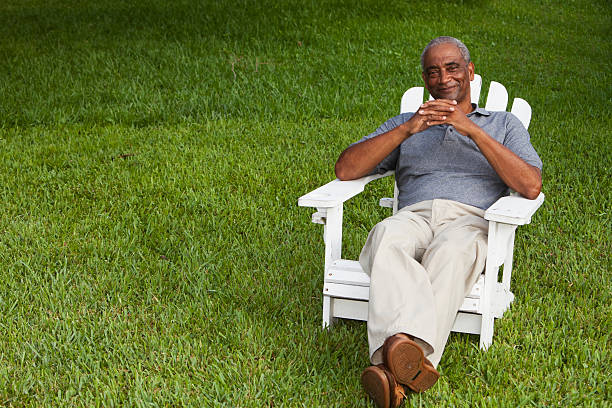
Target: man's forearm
[[514, 171], [360, 159]]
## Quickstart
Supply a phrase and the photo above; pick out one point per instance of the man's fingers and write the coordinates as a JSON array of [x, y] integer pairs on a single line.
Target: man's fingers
[[433, 112], [437, 102], [441, 115], [435, 122], [436, 119], [429, 109], [440, 102]]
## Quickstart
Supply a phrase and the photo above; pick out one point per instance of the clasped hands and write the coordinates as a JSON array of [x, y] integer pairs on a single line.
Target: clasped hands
[[439, 112]]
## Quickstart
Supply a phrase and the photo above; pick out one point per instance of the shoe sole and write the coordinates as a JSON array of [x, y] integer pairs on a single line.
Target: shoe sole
[[406, 361], [376, 385]]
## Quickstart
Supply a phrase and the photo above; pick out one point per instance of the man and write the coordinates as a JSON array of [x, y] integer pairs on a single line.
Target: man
[[452, 161]]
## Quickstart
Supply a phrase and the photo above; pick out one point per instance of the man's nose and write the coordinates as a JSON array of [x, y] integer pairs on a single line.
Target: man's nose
[[444, 76]]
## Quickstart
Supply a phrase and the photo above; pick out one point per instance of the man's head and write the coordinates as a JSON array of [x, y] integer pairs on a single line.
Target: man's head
[[447, 69]]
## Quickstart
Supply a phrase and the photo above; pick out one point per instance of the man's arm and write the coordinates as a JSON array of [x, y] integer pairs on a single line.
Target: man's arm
[[518, 175], [514, 171], [360, 159]]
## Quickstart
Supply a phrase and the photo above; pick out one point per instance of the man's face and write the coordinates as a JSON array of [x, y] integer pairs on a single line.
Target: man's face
[[446, 74]]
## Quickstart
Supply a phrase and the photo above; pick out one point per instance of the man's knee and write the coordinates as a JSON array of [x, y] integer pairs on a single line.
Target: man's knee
[[465, 249], [451, 249]]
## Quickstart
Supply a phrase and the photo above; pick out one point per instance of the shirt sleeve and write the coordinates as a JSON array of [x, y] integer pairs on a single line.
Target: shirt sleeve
[[389, 162], [518, 141]]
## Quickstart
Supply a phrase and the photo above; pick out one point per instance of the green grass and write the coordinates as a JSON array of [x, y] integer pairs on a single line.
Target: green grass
[[151, 157]]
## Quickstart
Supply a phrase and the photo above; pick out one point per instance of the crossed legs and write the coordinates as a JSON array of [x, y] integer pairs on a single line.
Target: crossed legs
[[422, 262]]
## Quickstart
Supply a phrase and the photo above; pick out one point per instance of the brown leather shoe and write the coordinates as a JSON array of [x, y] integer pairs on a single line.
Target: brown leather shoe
[[381, 386], [406, 361]]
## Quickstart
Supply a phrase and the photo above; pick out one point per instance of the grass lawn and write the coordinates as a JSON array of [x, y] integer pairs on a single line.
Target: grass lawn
[[151, 156]]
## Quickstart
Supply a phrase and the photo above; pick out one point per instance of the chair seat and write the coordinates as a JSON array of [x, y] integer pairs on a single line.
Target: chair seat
[[346, 279]]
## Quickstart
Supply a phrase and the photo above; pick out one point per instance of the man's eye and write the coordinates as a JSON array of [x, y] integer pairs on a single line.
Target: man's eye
[[434, 74], [453, 68]]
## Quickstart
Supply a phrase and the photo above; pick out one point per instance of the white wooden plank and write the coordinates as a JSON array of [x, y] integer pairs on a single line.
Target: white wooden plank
[[502, 300], [470, 305], [467, 323], [499, 238], [487, 323], [412, 99], [515, 210], [347, 272], [522, 110], [332, 234], [497, 99], [475, 86], [477, 288], [360, 292], [328, 319], [346, 291], [350, 309], [319, 217], [386, 202], [349, 266], [336, 192]]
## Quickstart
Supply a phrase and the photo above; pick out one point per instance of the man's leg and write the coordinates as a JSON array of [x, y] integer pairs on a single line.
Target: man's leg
[[401, 297], [454, 259]]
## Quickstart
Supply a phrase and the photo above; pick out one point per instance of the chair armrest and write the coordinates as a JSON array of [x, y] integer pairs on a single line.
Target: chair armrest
[[336, 192], [514, 210]]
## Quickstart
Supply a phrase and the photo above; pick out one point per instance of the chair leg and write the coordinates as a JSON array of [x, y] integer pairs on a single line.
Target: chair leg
[[486, 331], [328, 318]]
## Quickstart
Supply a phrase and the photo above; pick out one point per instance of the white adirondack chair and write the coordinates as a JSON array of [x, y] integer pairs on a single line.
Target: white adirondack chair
[[346, 285]]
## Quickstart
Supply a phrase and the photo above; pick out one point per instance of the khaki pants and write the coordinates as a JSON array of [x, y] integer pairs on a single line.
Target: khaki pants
[[422, 262]]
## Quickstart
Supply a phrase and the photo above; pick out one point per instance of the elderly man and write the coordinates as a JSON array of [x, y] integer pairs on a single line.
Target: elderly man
[[452, 160]]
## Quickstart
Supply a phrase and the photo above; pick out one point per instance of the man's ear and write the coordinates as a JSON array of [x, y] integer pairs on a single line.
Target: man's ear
[[423, 76], [471, 70]]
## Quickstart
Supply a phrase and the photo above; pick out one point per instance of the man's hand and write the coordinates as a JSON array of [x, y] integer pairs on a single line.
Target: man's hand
[[443, 112]]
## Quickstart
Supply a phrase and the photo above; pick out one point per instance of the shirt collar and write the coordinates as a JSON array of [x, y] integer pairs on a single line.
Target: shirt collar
[[479, 110]]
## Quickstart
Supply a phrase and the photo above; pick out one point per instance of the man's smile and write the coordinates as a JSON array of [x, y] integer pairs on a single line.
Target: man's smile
[[447, 88]]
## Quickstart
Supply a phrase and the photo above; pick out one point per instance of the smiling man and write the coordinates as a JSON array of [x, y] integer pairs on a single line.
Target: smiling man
[[452, 160]]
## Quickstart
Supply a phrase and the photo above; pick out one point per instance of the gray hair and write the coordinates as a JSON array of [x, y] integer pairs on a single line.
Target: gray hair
[[446, 40]]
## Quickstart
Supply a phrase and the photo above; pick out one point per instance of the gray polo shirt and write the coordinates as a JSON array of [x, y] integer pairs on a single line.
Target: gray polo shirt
[[441, 163]]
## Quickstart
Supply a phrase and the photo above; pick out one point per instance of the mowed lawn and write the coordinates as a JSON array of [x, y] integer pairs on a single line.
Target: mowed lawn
[[151, 155]]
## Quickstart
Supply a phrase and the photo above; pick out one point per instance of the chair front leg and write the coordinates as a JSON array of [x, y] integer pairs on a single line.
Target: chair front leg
[[487, 323], [494, 260], [332, 236], [328, 315], [495, 300]]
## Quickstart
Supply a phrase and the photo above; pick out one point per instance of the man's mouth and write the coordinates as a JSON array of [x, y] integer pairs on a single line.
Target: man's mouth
[[447, 89]]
